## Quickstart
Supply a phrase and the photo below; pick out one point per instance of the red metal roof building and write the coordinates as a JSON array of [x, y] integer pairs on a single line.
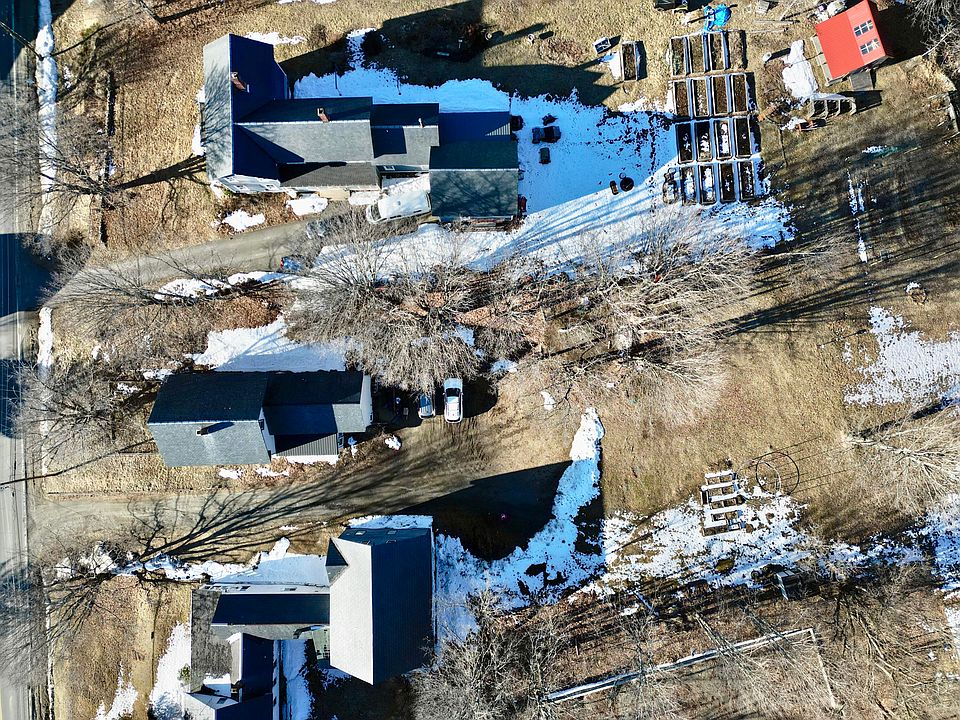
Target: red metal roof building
[[850, 41]]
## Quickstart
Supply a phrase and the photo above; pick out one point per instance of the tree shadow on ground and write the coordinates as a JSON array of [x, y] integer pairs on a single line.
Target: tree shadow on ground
[[452, 43], [497, 514]]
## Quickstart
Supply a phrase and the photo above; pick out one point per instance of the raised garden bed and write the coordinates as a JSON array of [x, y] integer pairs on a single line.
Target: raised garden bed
[[721, 95], [724, 139], [716, 56], [743, 142], [702, 136], [736, 50], [701, 99], [678, 56], [684, 142], [745, 180], [728, 193], [681, 98], [741, 100], [708, 190], [688, 184]]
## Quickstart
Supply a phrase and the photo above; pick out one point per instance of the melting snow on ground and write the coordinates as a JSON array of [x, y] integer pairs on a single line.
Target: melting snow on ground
[[45, 341], [856, 208], [943, 531], [275, 38], [549, 562], [123, 700], [548, 402], [908, 368], [798, 73], [570, 196], [268, 348], [46, 93], [503, 366], [165, 698], [307, 205], [241, 220]]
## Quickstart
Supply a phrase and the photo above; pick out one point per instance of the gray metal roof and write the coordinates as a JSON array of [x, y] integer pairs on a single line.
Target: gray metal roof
[[464, 126], [324, 175], [302, 609], [307, 445], [381, 601]]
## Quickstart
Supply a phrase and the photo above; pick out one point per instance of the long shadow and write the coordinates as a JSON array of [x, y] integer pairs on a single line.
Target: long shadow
[[496, 514], [416, 45]]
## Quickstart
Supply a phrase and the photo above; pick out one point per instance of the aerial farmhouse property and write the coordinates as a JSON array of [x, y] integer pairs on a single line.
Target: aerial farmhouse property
[[257, 138]]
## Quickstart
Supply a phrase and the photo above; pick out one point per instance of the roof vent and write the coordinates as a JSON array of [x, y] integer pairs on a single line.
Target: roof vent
[[322, 114]]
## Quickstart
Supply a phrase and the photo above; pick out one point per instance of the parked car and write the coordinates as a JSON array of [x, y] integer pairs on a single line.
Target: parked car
[[550, 134], [425, 409], [391, 207], [453, 400]]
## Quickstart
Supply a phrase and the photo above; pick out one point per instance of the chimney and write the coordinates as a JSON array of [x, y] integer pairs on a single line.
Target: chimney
[[205, 430], [237, 82], [322, 114]]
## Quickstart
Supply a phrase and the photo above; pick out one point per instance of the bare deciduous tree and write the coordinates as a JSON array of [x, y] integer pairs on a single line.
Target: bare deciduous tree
[[940, 22], [408, 318], [503, 669], [910, 463], [79, 410], [70, 156], [641, 319]]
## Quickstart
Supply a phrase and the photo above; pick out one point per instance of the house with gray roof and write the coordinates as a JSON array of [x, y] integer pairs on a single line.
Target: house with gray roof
[[257, 138], [244, 418], [381, 601]]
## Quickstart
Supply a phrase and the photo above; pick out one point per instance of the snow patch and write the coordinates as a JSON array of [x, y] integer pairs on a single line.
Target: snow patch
[[45, 342], [392, 442], [548, 402], [907, 367], [299, 700], [230, 474], [503, 366], [798, 73], [268, 348], [196, 146], [307, 205], [241, 220], [46, 73], [166, 696], [123, 701], [275, 38]]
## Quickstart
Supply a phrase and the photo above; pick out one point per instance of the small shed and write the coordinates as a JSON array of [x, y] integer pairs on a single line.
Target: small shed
[[850, 41]]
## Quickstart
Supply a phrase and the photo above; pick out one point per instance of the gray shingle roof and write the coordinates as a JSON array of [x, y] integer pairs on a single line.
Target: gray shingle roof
[[467, 193], [212, 418], [405, 146], [381, 601], [475, 155], [325, 175], [255, 65], [211, 397], [305, 110]]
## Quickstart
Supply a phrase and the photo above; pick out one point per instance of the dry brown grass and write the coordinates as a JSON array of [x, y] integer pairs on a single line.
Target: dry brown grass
[[132, 638]]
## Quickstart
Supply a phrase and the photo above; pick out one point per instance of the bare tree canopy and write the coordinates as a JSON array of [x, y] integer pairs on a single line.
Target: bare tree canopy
[[641, 319], [909, 463], [408, 319], [940, 21], [71, 158], [501, 670], [79, 410]]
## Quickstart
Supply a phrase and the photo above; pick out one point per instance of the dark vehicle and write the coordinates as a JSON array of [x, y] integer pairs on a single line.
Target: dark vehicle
[[549, 134], [425, 409]]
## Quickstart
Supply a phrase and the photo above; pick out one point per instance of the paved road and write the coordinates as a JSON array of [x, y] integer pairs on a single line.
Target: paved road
[[252, 250], [19, 285]]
